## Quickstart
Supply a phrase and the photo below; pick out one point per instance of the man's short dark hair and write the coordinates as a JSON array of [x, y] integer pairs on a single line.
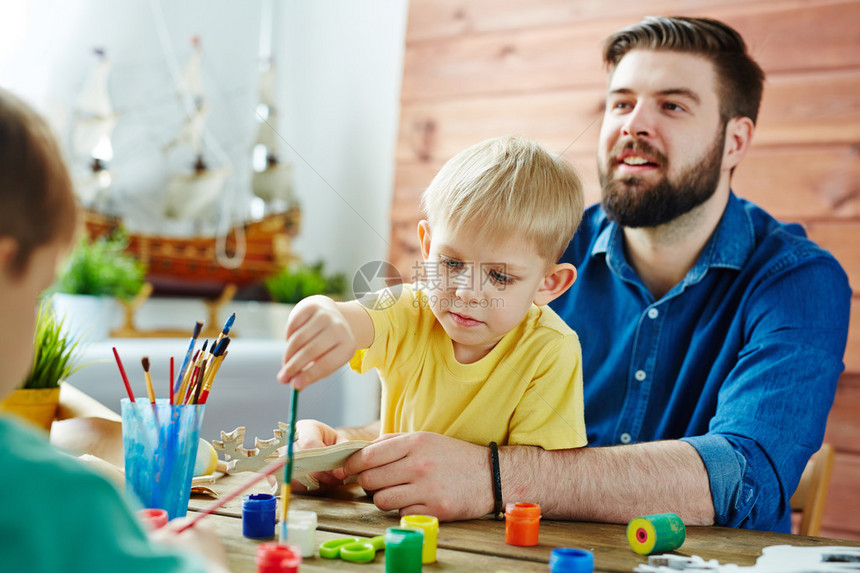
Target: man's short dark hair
[[739, 78]]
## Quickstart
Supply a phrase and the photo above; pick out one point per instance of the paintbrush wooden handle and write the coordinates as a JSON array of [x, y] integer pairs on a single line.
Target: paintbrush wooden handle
[[267, 471]]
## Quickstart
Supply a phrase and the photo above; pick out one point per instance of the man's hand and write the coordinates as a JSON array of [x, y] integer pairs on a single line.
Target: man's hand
[[426, 473]]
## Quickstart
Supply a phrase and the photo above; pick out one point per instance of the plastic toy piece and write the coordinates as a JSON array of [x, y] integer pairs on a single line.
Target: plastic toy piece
[[301, 531], [331, 548], [403, 550], [656, 533], [258, 515], [430, 526], [352, 549], [277, 558], [522, 524]]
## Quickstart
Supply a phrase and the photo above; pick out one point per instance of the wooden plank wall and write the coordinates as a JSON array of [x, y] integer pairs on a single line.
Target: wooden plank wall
[[480, 68]]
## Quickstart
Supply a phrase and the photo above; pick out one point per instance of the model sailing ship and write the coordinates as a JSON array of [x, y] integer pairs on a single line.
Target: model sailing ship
[[192, 263]]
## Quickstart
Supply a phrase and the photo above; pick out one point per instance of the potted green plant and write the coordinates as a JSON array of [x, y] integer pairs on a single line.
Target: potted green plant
[[55, 358], [293, 283], [285, 289], [96, 273]]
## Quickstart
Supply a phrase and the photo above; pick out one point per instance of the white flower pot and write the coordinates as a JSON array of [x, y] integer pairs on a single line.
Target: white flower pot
[[86, 318]]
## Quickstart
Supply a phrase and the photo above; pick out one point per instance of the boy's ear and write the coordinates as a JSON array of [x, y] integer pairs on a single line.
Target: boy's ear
[[558, 279], [424, 238]]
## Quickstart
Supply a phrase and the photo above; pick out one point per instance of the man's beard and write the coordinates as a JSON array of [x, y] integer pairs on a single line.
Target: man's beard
[[631, 202]]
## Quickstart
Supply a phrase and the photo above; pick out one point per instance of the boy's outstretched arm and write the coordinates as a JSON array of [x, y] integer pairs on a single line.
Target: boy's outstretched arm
[[322, 335]]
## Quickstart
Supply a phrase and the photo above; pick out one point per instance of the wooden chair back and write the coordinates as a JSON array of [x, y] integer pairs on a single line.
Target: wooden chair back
[[811, 493]]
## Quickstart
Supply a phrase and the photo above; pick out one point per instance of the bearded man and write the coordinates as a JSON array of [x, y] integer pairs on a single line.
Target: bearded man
[[712, 334]]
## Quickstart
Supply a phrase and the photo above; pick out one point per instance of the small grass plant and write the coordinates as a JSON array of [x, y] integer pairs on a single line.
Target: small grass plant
[[55, 355], [295, 282]]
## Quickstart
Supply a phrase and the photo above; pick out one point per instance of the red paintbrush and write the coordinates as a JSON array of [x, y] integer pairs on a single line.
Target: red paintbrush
[[124, 377], [170, 381]]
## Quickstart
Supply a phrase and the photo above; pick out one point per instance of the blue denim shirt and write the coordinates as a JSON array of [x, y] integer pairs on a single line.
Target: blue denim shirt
[[740, 359]]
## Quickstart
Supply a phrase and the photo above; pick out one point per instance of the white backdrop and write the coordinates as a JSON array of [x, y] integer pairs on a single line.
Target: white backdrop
[[339, 64], [340, 67]]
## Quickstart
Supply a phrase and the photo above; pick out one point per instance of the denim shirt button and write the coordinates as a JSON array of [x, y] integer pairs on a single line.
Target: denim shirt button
[[640, 375], [625, 438], [653, 313]]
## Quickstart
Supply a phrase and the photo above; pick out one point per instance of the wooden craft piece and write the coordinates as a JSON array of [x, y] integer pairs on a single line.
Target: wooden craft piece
[[305, 462], [240, 459]]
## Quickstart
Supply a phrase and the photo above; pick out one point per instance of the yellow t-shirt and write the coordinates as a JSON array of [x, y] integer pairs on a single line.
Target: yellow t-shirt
[[527, 390]]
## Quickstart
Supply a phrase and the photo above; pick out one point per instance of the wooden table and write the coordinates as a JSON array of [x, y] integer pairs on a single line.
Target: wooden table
[[479, 545]]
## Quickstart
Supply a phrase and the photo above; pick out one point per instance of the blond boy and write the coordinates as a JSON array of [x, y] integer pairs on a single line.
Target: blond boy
[[472, 351]]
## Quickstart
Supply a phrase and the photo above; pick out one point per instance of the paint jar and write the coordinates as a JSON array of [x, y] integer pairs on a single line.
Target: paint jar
[[301, 531], [258, 515], [429, 525], [153, 518], [570, 560], [522, 524], [159, 444], [277, 558], [403, 550], [656, 533]]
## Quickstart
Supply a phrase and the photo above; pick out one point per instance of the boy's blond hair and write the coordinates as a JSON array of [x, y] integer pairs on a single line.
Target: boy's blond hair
[[37, 204], [508, 186]]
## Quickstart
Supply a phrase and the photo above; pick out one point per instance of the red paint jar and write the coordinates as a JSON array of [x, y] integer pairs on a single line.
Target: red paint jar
[[278, 558], [522, 524], [153, 518]]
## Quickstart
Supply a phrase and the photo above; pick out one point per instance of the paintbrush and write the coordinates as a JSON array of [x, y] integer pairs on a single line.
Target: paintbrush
[[288, 472], [122, 373], [192, 379], [150, 391], [170, 381], [197, 327], [211, 370], [228, 324]]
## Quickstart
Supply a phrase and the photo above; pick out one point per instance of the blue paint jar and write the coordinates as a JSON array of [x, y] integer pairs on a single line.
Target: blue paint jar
[[258, 515], [570, 560]]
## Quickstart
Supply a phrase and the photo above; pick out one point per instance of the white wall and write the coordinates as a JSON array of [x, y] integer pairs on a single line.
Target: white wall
[[340, 66]]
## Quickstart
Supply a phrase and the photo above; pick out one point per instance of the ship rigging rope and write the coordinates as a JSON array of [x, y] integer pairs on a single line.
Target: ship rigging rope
[[223, 226]]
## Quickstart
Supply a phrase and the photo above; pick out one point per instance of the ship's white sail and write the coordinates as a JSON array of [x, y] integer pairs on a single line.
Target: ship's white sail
[[272, 180], [95, 120], [192, 94], [194, 195]]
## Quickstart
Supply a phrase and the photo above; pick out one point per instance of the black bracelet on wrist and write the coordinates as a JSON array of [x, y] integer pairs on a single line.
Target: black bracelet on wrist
[[499, 508]]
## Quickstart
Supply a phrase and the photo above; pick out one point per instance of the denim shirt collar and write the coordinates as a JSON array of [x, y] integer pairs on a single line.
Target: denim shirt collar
[[728, 247]]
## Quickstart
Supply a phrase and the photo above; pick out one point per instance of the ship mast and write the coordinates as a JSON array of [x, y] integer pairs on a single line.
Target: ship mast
[[95, 120]]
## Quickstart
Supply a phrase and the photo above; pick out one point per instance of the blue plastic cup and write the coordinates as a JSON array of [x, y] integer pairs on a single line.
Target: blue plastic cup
[[159, 444]]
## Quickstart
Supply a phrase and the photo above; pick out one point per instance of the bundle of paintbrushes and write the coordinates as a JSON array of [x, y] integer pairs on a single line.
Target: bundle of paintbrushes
[[194, 382], [160, 438], [197, 373]]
